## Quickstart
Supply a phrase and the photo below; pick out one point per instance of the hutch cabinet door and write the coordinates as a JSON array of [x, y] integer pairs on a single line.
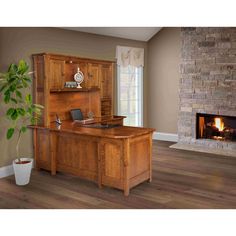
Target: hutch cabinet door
[[106, 89], [94, 75], [106, 81], [57, 72]]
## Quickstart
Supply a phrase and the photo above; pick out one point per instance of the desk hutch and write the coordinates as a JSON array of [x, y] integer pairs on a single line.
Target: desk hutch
[[119, 157]]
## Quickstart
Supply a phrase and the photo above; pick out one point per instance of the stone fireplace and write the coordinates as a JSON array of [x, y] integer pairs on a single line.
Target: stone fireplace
[[207, 84]]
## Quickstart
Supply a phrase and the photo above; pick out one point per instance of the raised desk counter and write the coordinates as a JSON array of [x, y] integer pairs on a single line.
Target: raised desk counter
[[119, 157]]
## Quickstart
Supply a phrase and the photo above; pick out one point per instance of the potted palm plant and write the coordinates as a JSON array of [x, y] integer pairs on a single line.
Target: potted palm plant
[[21, 111]]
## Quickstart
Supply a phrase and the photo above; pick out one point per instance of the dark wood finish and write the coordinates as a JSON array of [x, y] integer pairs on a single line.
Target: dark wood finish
[[118, 157], [181, 179]]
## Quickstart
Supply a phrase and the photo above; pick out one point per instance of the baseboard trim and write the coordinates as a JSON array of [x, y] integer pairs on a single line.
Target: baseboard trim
[[6, 171], [165, 136]]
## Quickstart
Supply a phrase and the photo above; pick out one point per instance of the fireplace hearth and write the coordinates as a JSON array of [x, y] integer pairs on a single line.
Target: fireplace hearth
[[216, 127]]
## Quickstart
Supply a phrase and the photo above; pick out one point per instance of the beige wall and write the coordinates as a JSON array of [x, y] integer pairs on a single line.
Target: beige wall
[[163, 80], [17, 43], [161, 72]]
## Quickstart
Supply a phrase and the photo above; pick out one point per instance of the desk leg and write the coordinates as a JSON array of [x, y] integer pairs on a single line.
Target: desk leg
[[150, 155], [126, 186], [53, 148], [36, 150], [126, 167], [101, 154]]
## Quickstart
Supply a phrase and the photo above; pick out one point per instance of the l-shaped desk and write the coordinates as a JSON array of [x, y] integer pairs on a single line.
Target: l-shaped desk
[[119, 157]]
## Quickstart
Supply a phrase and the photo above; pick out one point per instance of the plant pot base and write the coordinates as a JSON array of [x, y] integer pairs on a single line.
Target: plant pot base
[[22, 170]]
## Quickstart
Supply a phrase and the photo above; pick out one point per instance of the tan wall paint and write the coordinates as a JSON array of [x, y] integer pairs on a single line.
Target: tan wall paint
[[163, 79], [17, 43]]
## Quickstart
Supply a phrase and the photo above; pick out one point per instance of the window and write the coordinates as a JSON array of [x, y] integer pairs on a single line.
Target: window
[[130, 94], [130, 63]]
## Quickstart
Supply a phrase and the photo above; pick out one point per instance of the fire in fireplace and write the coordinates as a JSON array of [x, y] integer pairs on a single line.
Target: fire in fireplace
[[216, 127]]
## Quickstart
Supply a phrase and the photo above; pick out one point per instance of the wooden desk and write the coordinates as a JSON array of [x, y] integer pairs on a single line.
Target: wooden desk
[[119, 157]]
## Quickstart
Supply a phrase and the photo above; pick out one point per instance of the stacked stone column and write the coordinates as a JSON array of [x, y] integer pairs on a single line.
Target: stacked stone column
[[208, 79]]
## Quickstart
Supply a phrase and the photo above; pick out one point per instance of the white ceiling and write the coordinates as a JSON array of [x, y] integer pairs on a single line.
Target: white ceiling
[[135, 33]]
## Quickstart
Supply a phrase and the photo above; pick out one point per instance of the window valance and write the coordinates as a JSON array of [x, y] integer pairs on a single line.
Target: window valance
[[129, 56]]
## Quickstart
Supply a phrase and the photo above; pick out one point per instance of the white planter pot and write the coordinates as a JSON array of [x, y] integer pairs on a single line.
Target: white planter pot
[[22, 171]]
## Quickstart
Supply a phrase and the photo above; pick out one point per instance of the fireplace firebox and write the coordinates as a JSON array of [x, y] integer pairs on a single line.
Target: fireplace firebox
[[209, 126]]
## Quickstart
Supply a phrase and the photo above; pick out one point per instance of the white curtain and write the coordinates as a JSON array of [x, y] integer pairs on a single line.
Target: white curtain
[[129, 56]]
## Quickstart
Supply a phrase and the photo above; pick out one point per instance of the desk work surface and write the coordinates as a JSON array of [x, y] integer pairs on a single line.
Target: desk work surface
[[113, 132]]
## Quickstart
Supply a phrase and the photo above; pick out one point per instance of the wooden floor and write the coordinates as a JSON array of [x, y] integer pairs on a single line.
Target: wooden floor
[[181, 179]]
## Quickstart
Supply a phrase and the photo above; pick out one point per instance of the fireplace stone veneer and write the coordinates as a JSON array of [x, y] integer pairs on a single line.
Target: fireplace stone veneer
[[208, 80]]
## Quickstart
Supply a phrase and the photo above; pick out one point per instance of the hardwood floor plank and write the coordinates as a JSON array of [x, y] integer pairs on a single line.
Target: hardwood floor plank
[[181, 180]]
